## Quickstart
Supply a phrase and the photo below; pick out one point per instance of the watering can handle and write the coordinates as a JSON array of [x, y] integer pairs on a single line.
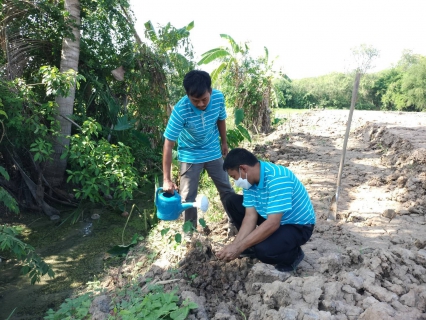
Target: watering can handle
[[158, 190], [156, 195]]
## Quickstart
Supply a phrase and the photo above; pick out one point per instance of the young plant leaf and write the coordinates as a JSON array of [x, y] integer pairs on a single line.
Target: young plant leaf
[[202, 222]]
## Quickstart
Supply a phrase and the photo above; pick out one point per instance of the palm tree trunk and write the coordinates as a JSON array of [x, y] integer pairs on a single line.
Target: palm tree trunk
[[55, 169]]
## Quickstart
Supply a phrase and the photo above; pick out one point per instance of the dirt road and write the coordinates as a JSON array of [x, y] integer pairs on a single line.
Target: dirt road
[[370, 264]]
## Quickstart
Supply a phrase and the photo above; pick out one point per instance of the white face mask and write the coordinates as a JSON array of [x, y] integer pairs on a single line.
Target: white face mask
[[242, 183]]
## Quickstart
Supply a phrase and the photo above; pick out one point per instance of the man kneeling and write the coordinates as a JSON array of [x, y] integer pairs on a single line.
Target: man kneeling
[[274, 216]]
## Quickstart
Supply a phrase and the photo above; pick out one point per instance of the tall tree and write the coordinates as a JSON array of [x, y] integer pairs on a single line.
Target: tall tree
[[55, 169], [414, 85]]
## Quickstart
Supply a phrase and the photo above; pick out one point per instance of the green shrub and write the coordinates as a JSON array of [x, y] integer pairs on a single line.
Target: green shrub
[[153, 305], [77, 308], [99, 167]]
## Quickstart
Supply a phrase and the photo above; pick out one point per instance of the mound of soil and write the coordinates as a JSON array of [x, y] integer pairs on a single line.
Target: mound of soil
[[369, 264]]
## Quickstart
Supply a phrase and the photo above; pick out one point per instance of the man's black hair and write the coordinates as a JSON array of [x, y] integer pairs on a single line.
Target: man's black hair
[[238, 156], [196, 83]]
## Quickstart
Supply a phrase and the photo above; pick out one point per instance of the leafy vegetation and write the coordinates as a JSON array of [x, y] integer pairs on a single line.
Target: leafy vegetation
[[398, 88], [130, 110], [156, 304], [130, 302], [33, 264], [246, 83], [124, 91], [77, 308], [101, 168]]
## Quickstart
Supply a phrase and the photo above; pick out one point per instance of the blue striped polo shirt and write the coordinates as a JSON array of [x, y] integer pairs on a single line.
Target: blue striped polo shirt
[[279, 191], [196, 131]]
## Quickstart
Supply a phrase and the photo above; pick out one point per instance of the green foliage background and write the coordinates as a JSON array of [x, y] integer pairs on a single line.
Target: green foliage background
[[402, 88]]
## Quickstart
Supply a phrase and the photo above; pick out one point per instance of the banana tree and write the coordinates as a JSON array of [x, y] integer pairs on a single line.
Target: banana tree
[[167, 42], [173, 48], [246, 82], [229, 57]]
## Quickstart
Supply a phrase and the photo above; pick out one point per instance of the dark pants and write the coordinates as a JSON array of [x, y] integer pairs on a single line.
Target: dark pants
[[190, 177], [283, 246]]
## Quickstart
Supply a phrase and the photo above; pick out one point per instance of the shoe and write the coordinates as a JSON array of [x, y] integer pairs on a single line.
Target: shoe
[[286, 268], [248, 253]]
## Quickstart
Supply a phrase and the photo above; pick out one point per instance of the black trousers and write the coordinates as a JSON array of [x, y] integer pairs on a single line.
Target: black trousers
[[283, 246]]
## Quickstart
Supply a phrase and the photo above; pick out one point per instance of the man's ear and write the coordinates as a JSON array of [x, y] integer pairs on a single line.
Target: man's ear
[[244, 168]]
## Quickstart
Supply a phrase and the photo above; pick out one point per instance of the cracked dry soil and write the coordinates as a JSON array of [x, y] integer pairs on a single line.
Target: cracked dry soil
[[369, 264]]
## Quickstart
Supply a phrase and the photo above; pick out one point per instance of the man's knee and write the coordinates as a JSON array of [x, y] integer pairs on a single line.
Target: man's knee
[[233, 199], [225, 195], [263, 253], [266, 255]]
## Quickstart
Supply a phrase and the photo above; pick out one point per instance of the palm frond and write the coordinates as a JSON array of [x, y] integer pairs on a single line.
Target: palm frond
[[19, 47], [266, 54], [210, 51], [213, 55], [235, 47], [150, 31], [215, 73], [190, 26]]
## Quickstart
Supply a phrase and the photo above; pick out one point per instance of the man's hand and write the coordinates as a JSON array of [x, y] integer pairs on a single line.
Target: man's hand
[[224, 149], [169, 186], [229, 253]]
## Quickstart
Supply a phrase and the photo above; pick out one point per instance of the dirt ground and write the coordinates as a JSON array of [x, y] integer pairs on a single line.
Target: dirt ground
[[369, 264]]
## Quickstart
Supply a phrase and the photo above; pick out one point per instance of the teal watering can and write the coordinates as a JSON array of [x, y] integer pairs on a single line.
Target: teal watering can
[[170, 206]]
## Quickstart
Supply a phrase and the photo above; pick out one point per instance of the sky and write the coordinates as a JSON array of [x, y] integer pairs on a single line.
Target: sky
[[307, 38]]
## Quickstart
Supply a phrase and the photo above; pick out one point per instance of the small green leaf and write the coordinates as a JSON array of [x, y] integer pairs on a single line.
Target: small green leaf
[[244, 132], [190, 26], [2, 112], [124, 124], [202, 222], [180, 314], [188, 226], [192, 305], [178, 237], [51, 273], [239, 116], [164, 231], [134, 239], [4, 173]]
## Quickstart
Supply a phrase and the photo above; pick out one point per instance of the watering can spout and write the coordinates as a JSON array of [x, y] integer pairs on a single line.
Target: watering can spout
[[185, 206]]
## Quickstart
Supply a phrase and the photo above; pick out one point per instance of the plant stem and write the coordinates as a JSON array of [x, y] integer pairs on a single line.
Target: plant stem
[[122, 234]]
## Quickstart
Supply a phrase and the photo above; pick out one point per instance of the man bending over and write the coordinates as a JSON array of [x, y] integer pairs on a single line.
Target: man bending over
[[274, 216]]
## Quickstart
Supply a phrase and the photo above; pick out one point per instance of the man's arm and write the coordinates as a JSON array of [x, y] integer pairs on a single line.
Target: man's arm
[[261, 233], [248, 235], [168, 185], [221, 125], [248, 225]]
